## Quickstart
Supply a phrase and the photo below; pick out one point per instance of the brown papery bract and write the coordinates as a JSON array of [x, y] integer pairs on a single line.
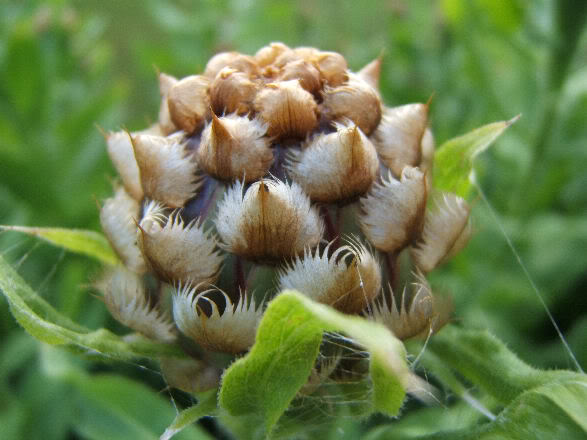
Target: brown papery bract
[[232, 92], [355, 100], [393, 211], [288, 109], [166, 82], [335, 167], [235, 60], [399, 136], [188, 103], [270, 222], [234, 147]]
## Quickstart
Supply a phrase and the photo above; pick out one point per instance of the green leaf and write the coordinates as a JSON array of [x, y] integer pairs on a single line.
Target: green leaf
[[46, 324], [484, 360], [109, 406], [453, 161], [90, 243], [206, 406], [266, 380]]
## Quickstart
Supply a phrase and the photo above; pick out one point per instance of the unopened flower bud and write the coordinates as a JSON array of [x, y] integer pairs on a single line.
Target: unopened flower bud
[[126, 299], [348, 280], [268, 54], [303, 71], [198, 316], [166, 82], [272, 220], [446, 231], [188, 103], [118, 217], [288, 109], [333, 67], [167, 170], [232, 91], [234, 147], [393, 211], [371, 72], [412, 317], [179, 252], [235, 60], [122, 156], [189, 375], [355, 100], [399, 136], [337, 166]]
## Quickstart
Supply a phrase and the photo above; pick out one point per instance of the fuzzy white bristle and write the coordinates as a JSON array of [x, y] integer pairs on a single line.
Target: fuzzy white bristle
[[232, 331], [126, 299], [336, 166], [168, 172], [118, 217], [347, 280], [446, 231], [271, 220], [393, 211], [179, 252]]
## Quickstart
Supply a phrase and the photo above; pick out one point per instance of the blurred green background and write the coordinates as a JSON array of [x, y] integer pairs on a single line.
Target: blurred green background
[[67, 67]]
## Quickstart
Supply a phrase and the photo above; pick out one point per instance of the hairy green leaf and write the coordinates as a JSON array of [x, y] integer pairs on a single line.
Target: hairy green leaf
[[205, 406], [486, 361], [453, 161], [266, 380], [46, 324], [89, 243]]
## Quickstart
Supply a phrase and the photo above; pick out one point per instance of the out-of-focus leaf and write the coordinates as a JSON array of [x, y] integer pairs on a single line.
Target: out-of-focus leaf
[[266, 380], [453, 162], [486, 362], [48, 325], [205, 406], [111, 406], [90, 243]]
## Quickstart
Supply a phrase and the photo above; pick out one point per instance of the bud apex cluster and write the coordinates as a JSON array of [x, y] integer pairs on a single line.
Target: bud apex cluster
[[271, 160]]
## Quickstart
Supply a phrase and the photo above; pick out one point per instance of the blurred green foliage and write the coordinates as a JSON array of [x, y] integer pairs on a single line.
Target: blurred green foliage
[[69, 66]]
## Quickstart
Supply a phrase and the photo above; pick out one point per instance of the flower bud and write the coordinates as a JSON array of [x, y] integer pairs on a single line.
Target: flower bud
[[273, 220], [232, 91], [235, 60], [303, 71], [371, 73], [268, 54], [355, 100], [126, 299], [446, 231], [408, 320], [288, 109], [399, 136], [189, 375], [168, 172], [166, 82], [198, 316], [188, 103], [335, 167], [332, 67], [235, 147], [176, 251], [393, 211], [121, 154], [348, 280], [118, 217]]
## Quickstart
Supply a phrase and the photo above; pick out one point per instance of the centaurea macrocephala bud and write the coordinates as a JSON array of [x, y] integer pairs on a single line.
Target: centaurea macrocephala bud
[[272, 220]]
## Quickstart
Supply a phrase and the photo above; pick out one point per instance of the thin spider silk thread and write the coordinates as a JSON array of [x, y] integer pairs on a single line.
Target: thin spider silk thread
[[527, 274]]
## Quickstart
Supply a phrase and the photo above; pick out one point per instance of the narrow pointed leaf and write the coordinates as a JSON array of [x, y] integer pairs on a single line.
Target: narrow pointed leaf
[[80, 241], [266, 380], [206, 406], [46, 324], [453, 162]]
